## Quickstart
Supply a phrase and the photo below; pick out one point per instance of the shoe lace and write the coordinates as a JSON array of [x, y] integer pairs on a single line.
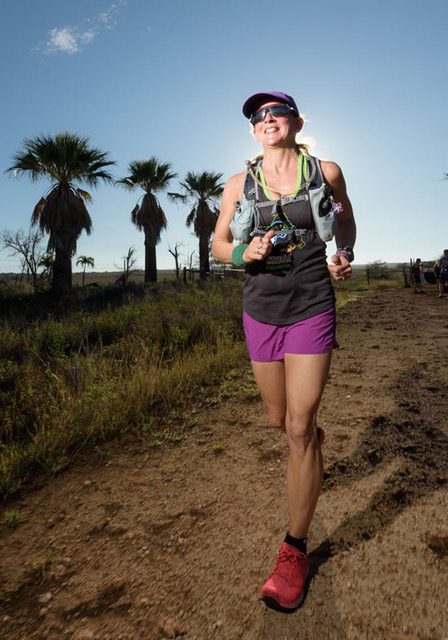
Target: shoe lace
[[287, 562]]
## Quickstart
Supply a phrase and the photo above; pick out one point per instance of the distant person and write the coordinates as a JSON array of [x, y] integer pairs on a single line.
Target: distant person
[[289, 304], [417, 275], [442, 268]]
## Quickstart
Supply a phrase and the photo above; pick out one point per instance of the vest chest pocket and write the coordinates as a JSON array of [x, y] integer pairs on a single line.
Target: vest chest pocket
[[244, 220], [323, 211]]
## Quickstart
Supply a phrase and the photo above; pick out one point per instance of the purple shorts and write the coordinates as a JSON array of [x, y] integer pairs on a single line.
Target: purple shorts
[[268, 342]]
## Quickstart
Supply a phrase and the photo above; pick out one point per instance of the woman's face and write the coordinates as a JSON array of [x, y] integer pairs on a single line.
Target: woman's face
[[277, 130]]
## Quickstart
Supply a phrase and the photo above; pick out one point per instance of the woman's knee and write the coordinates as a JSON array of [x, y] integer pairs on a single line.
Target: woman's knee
[[300, 430]]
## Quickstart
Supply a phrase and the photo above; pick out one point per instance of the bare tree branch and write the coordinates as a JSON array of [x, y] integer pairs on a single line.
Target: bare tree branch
[[28, 247], [175, 253]]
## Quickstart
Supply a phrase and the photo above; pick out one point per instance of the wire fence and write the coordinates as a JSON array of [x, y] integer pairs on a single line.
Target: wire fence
[[361, 274]]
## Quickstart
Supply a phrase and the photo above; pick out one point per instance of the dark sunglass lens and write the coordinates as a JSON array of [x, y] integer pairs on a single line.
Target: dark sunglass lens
[[258, 116], [280, 110]]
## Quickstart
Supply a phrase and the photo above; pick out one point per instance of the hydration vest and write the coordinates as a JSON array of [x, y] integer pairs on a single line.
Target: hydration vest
[[246, 218]]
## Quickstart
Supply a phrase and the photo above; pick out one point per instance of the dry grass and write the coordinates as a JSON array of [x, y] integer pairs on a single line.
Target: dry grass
[[86, 378], [90, 375]]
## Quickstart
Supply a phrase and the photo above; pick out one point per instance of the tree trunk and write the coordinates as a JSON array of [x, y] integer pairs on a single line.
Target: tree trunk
[[204, 263], [150, 262], [35, 283], [62, 272]]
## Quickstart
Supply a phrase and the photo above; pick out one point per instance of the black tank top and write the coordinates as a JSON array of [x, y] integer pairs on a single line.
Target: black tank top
[[294, 284]]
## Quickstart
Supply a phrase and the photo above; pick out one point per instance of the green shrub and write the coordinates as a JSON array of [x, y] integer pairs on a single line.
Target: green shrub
[[70, 382]]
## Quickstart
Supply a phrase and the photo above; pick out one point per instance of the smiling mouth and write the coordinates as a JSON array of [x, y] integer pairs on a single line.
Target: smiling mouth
[[271, 129]]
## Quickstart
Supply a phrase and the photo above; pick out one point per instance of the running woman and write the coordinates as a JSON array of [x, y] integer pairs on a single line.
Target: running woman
[[289, 311]]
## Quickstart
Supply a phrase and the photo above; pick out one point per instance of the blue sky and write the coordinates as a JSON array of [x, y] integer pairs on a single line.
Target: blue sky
[[143, 78]]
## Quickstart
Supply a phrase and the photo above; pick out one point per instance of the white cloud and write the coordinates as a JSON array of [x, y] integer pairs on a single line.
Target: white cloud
[[71, 39], [62, 40], [108, 18], [87, 36]]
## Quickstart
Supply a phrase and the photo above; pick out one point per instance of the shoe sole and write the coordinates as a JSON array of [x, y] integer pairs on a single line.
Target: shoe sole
[[273, 604]]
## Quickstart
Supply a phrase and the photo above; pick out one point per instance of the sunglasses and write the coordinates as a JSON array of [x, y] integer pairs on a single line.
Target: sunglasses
[[276, 110]]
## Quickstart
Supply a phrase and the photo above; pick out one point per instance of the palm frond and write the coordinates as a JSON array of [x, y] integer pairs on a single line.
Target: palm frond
[[205, 220], [203, 189], [64, 158], [191, 217], [35, 217], [126, 183], [177, 196], [204, 185], [85, 195], [150, 175], [150, 218], [134, 215], [64, 216]]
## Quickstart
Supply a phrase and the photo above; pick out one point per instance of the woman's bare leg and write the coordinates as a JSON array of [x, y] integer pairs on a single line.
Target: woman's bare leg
[[291, 391], [306, 376], [270, 379]]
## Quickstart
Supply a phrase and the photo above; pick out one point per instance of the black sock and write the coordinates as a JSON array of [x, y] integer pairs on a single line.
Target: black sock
[[297, 543]]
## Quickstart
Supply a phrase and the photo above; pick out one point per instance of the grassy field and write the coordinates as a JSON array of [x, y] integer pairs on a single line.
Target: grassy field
[[108, 360]]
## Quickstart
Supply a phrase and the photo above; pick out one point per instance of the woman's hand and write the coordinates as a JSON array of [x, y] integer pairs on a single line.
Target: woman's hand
[[259, 248], [341, 268]]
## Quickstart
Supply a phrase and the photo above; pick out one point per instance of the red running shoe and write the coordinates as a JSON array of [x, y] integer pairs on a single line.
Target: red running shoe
[[285, 588]]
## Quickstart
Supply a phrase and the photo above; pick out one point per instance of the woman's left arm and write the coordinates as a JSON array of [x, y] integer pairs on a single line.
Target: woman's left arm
[[345, 226]]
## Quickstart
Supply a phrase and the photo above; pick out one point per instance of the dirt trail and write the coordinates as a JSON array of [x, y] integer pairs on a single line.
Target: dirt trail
[[137, 542]]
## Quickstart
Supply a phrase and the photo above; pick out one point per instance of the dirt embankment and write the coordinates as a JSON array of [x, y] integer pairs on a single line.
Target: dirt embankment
[[139, 542]]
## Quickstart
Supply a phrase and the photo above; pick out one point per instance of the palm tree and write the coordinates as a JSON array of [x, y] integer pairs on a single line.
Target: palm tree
[[47, 262], [65, 159], [85, 261], [203, 189], [148, 216]]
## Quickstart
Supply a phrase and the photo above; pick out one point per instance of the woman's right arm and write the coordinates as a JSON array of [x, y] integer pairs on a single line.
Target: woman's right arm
[[222, 245]]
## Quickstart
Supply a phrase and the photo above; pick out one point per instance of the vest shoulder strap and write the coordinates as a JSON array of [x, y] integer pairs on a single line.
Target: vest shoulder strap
[[313, 174], [251, 183], [314, 177]]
